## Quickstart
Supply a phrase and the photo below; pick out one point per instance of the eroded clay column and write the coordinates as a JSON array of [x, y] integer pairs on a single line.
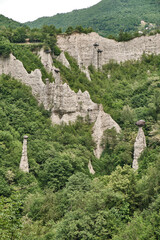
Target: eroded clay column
[[140, 144], [90, 167], [99, 59], [24, 159]]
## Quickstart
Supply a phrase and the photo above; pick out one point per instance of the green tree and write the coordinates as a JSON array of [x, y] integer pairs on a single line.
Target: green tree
[[10, 218]]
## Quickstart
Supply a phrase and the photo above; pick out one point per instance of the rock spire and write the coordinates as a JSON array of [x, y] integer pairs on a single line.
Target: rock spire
[[24, 159], [139, 145], [90, 167]]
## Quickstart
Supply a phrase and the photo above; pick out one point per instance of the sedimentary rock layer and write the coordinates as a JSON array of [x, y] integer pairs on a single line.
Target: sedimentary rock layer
[[65, 105], [93, 49]]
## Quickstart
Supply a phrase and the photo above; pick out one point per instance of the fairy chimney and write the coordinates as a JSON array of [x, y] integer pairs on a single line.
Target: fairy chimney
[[24, 159], [140, 144]]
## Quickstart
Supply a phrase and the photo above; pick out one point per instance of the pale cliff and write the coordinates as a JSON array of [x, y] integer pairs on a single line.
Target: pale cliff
[[93, 49], [15, 68], [64, 103]]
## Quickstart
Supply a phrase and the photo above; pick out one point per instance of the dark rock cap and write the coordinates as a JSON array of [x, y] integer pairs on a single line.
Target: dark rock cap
[[95, 44], [56, 70], [99, 51], [140, 123]]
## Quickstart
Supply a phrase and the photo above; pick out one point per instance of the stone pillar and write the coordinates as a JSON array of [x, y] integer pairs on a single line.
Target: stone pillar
[[90, 167], [47, 83], [139, 146], [24, 159], [99, 59]]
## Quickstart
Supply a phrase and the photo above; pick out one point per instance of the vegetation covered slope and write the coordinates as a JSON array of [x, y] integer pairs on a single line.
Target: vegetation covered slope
[[128, 91], [54, 152], [59, 199], [107, 17], [8, 22]]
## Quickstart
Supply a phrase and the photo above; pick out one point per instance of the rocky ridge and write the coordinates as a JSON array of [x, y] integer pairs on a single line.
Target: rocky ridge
[[93, 49], [65, 105]]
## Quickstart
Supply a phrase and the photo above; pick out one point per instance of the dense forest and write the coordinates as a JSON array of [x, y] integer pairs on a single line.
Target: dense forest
[[108, 17], [59, 199]]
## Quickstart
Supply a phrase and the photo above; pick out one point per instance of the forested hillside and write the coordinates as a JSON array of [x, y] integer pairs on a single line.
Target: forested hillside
[[8, 22], [59, 199], [107, 17]]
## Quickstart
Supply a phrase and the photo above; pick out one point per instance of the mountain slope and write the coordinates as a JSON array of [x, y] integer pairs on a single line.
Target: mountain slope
[[8, 22], [58, 197], [107, 17]]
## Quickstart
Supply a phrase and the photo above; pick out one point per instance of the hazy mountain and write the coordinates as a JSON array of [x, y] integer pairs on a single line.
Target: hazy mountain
[[107, 17]]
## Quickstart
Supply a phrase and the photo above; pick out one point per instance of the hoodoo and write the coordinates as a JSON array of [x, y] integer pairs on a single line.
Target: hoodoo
[[140, 144], [24, 166]]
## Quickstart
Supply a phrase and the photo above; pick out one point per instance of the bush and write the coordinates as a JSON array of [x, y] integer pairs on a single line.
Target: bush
[[5, 49], [56, 50]]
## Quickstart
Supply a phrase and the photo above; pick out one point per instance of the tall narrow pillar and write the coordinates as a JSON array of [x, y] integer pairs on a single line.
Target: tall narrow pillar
[[99, 59], [24, 159], [90, 167], [139, 145]]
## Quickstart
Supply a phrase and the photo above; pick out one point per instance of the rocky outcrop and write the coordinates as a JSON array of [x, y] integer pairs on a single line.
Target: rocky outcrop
[[93, 49], [24, 166], [65, 105], [139, 146], [15, 68], [103, 122], [47, 62], [61, 58]]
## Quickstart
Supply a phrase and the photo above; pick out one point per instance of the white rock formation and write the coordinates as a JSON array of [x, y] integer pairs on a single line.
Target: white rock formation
[[139, 146], [24, 159], [61, 58], [103, 122], [15, 68], [85, 48], [65, 104], [90, 167], [47, 62]]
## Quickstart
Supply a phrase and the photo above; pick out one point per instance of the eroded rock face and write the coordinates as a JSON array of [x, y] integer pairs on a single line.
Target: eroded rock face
[[15, 68], [93, 49], [61, 58], [103, 122], [47, 62], [139, 146], [65, 104]]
